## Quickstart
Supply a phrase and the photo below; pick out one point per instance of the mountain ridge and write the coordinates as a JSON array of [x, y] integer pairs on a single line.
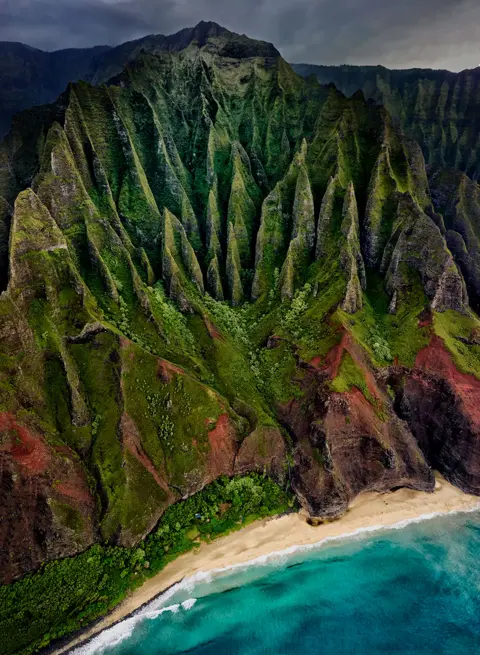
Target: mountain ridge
[[371, 67], [96, 64], [437, 108], [215, 268]]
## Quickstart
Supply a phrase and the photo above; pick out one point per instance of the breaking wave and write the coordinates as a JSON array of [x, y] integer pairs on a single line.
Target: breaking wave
[[114, 635]]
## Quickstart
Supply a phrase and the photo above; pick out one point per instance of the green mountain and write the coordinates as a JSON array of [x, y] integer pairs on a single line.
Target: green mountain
[[30, 77], [437, 108], [216, 274]]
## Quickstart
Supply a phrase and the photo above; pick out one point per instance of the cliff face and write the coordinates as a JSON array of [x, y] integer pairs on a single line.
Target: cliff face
[[347, 437], [440, 404], [31, 77], [456, 199], [439, 109], [212, 266]]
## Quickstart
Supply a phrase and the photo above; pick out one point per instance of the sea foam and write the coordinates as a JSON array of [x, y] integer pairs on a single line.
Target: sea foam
[[124, 629]]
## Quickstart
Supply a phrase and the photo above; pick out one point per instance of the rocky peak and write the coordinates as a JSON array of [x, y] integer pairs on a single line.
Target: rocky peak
[[207, 29], [212, 169]]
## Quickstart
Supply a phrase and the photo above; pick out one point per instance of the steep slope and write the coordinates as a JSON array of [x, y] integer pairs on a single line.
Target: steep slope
[[437, 108], [30, 77], [456, 198], [216, 268]]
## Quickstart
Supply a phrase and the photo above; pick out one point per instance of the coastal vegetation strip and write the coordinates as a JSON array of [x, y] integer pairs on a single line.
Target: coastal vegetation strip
[[65, 595], [275, 540]]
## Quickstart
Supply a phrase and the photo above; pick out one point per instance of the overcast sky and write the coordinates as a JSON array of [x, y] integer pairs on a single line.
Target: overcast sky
[[395, 33]]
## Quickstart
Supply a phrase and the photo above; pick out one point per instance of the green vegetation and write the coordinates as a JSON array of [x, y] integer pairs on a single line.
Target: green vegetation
[[298, 307], [196, 240], [387, 336], [312, 320], [350, 375], [427, 103], [452, 328], [67, 594]]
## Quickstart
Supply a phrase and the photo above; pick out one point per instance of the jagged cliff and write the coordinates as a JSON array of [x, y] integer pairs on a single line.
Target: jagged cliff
[[211, 266], [30, 77], [437, 108]]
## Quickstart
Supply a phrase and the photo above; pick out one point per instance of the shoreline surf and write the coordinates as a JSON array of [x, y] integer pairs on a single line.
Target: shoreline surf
[[263, 542]]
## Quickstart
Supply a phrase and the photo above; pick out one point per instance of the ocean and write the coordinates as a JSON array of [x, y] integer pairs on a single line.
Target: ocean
[[408, 591]]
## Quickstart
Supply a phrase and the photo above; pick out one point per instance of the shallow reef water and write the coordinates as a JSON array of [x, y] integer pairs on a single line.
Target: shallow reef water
[[414, 590]]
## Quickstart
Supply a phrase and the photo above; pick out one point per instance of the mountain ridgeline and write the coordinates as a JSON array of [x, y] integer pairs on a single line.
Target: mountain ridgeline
[[437, 108], [29, 76], [214, 267]]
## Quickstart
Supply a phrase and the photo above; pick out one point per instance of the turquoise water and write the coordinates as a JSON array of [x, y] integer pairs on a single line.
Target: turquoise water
[[407, 591]]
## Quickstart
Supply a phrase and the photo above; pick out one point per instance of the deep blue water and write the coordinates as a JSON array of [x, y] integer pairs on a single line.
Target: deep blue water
[[405, 592]]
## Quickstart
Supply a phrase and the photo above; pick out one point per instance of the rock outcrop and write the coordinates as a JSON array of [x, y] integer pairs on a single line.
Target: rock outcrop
[[420, 246], [209, 265], [441, 406], [437, 108], [349, 441], [351, 259]]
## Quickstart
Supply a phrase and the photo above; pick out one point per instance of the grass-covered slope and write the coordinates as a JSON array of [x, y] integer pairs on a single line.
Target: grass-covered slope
[[30, 77], [437, 108], [212, 267]]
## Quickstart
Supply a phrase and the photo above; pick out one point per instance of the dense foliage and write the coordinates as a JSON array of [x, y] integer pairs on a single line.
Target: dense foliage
[[211, 266], [67, 594], [437, 108]]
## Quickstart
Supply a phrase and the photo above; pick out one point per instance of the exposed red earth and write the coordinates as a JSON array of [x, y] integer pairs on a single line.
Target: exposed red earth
[[435, 358], [166, 369], [132, 441], [26, 447], [212, 329], [46, 485], [223, 446]]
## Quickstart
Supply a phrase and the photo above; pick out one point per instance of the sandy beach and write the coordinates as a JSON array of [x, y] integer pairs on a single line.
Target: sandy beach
[[272, 536]]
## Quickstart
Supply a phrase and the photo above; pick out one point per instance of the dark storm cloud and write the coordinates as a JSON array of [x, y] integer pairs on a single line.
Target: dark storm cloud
[[54, 24], [437, 33]]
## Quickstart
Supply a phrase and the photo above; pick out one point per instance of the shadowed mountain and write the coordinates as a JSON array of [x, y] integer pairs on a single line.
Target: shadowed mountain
[[437, 108], [31, 77], [212, 267]]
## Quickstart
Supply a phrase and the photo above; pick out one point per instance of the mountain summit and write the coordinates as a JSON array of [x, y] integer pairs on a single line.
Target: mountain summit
[[29, 76], [225, 290]]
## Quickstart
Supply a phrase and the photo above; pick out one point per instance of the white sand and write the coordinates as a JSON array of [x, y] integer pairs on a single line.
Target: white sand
[[369, 511]]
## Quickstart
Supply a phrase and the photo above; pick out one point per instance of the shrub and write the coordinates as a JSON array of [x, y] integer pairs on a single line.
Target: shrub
[[67, 594]]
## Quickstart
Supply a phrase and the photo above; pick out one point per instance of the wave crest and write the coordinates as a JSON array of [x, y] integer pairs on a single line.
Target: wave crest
[[124, 629]]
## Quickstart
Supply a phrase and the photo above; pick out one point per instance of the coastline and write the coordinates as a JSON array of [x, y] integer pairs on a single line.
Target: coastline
[[277, 536]]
